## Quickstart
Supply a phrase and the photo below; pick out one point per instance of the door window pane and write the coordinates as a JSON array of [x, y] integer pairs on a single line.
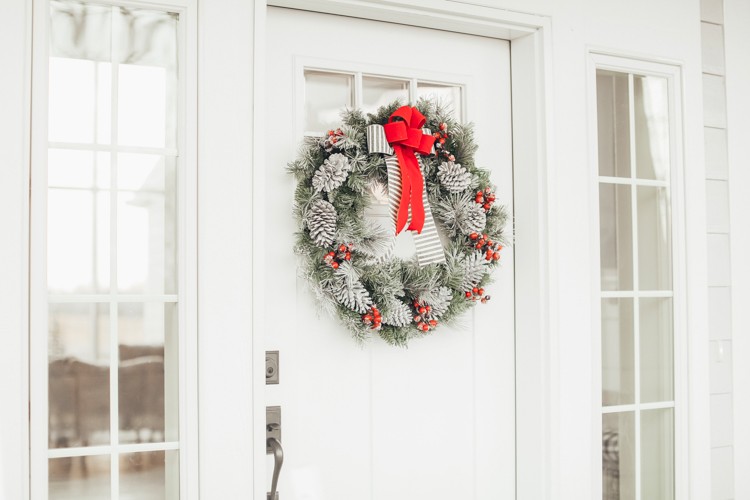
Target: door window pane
[[80, 478], [651, 113], [657, 454], [326, 96], [654, 238], [149, 475], [613, 118], [657, 352], [615, 237], [618, 357], [445, 94], [377, 92], [618, 456]]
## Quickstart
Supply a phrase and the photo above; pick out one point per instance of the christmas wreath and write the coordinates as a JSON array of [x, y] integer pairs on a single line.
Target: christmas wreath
[[426, 160]]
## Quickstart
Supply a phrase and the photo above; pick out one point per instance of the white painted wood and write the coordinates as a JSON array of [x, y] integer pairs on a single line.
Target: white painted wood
[[721, 366], [719, 273], [720, 313], [737, 39], [716, 153], [712, 11], [722, 421], [350, 414], [714, 102], [227, 370], [717, 206], [722, 464], [15, 95], [712, 43]]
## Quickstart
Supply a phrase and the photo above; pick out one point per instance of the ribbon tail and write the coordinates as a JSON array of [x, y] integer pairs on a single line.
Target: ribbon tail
[[415, 197], [406, 187]]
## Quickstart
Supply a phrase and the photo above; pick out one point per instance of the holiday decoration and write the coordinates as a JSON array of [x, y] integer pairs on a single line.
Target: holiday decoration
[[426, 160]]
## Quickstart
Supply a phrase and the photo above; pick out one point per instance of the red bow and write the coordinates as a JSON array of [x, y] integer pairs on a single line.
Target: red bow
[[404, 133]]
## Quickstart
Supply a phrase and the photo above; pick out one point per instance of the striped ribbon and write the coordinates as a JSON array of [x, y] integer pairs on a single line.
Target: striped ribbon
[[428, 244]]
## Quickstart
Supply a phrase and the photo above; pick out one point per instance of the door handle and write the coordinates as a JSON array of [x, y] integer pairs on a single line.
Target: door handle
[[278, 461], [273, 446]]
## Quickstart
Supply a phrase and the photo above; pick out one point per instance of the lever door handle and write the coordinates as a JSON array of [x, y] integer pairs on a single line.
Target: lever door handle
[[278, 461]]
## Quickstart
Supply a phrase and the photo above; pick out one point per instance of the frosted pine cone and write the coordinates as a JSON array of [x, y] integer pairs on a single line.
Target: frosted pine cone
[[453, 177], [473, 220], [321, 221], [332, 173]]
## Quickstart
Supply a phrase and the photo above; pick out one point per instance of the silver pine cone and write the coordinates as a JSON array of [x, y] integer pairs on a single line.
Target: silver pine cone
[[321, 221], [332, 173], [453, 176], [473, 220]]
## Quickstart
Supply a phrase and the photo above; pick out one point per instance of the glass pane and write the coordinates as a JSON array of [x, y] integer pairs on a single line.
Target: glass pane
[[72, 100], [657, 351], [80, 478], [148, 372], [613, 122], [78, 375], [615, 237], [654, 239], [651, 115], [378, 92], [77, 236], [618, 456], [657, 454], [149, 476], [618, 356], [77, 169], [80, 30], [146, 224], [447, 95], [326, 96], [147, 92]]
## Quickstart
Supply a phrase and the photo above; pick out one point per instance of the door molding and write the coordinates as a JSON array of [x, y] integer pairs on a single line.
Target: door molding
[[531, 84]]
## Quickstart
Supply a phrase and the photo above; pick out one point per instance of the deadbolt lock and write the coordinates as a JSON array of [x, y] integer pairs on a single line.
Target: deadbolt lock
[[272, 367]]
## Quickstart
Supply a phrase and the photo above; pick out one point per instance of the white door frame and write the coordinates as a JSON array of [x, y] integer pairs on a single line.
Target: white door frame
[[535, 308]]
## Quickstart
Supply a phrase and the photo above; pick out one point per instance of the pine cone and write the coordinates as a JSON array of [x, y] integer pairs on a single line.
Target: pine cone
[[397, 314], [321, 220], [473, 220], [332, 173], [349, 291], [453, 177]]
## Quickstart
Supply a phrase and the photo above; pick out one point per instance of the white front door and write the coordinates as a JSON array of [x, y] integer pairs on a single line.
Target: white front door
[[434, 421]]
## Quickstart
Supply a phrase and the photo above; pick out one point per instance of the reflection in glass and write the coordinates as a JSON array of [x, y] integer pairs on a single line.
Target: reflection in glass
[[615, 237], [657, 352], [148, 372], [651, 103], [79, 356], [146, 224], [77, 238], [326, 96], [378, 92], [80, 478], [80, 30], [150, 475], [618, 456], [654, 239], [657, 454], [613, 122], [618, 357]]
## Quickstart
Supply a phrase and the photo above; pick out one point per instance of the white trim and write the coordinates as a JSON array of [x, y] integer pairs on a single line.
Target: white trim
[[86, 451], [736, 40], [15, 101], [113, 148], [531, 49], [691, 464]]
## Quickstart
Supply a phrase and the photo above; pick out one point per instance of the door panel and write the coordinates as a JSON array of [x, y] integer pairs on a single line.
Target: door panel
[[436, 420]]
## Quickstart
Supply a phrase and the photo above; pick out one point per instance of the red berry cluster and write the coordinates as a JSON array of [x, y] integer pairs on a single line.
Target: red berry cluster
[[332, 137], [485, 198], [441, 136], [491, 249], [423, 317], [372, 318], [477, 293], [334, 258]]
